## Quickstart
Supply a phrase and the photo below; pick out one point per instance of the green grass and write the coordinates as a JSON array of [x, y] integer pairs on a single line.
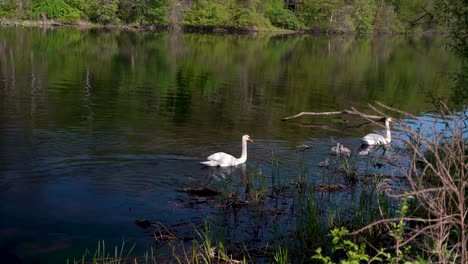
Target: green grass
[[103, 255]]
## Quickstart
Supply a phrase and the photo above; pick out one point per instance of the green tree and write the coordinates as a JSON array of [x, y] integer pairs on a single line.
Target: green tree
[[206, 13], [386, 19], [318, 14], [150, 12], [323, 15], [248, 14], [364, 14], [8, 8], [55, 9], [104, 11], [281, 16], [453, 14], [414, 13], [83, 6]]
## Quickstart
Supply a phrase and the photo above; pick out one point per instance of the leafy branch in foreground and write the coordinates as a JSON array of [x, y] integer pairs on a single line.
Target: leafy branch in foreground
[[355, 253]]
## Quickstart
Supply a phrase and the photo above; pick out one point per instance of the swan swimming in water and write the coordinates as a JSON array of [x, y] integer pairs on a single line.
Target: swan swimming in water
[[324, 163], [376, 139], [340, 149], [345, 151], [224, 160], [335, 150]]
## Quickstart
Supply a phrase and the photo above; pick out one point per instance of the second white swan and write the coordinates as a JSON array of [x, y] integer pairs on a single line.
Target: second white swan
[[376, 139], [224, 160]]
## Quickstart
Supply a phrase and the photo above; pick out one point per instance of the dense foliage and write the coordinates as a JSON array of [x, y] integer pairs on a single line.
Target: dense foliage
[[318, 15]]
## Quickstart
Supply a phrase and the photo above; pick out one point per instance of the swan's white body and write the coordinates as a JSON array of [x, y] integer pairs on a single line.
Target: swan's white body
[[376, 139], [224, 160]]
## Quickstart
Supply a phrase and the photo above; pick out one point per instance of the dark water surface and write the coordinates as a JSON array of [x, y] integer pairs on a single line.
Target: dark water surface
[[99, 128]]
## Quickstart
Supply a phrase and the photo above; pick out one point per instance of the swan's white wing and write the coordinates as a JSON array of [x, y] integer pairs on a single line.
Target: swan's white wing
[[210, 163], [375, 139], [221, 159], [219, 156]]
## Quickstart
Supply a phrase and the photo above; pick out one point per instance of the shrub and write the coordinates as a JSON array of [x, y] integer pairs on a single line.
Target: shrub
[[207, 13], [104, 11], [150, 12], [55, 9], [317, 14], [364, 14], [282, 17], [247, 18], [8, 9]]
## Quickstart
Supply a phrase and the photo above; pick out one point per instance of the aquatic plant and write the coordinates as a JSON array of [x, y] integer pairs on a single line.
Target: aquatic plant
[[275, 173], [103, 256], [309, 228], [209, 248], [349, 167], [280, 255], [303, 172]]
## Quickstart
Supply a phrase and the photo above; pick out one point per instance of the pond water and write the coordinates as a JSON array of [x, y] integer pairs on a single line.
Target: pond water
[[100, 128]]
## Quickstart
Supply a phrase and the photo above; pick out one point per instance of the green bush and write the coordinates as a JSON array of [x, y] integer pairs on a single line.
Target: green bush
[[282, 17], [317, 14], [207, 13], [343, 20], [8, 9], [83, 6], [224, 14], [243, 17], [55, 9], [364, 15], [71, 17], [150, 12], [104, 11], [386, 21]]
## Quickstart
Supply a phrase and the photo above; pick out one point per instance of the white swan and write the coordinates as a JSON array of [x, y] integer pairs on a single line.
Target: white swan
[[224, 160], [376, 139]]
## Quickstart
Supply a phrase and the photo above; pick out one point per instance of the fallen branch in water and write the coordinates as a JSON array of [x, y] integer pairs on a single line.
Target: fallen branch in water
[[349, 112]]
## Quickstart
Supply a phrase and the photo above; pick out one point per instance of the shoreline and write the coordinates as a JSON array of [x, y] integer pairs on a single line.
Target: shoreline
[[229, 30], [155, 28]]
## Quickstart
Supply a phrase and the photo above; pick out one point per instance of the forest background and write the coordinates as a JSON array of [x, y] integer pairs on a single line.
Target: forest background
[[338, 16]]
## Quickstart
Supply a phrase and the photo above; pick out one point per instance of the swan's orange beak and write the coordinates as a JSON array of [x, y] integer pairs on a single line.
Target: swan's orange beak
[[249, 139]]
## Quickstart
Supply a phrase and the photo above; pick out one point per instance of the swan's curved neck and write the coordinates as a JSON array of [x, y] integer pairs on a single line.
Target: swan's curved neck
[[389, 135], [243, 157]]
